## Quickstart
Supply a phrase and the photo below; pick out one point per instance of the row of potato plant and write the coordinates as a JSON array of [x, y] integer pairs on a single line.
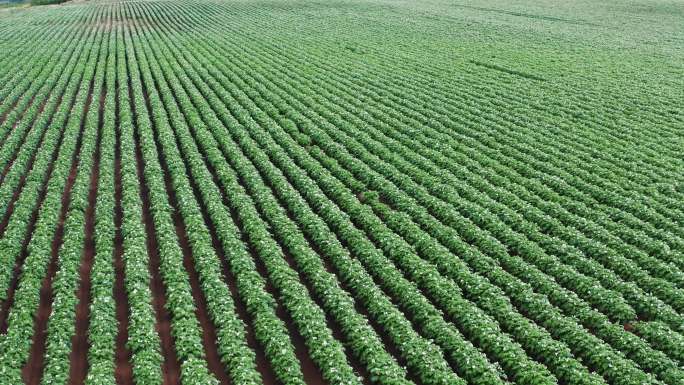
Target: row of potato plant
[[143, 340], [103, 326]]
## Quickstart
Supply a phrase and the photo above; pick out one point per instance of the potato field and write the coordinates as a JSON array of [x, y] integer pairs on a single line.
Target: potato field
[[386, 192]]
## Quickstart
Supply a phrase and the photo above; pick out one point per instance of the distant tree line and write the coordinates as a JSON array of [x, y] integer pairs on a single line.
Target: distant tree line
[[44, 2]]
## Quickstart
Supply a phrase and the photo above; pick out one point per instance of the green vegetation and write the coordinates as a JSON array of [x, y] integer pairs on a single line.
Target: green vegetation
[[46, 2], [344, 192]]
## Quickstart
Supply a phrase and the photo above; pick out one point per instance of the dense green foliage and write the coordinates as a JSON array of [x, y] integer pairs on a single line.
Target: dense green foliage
[[348, 192], [46, 2]]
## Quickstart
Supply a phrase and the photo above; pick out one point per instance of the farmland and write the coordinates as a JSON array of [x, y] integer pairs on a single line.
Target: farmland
[[379, 192]]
